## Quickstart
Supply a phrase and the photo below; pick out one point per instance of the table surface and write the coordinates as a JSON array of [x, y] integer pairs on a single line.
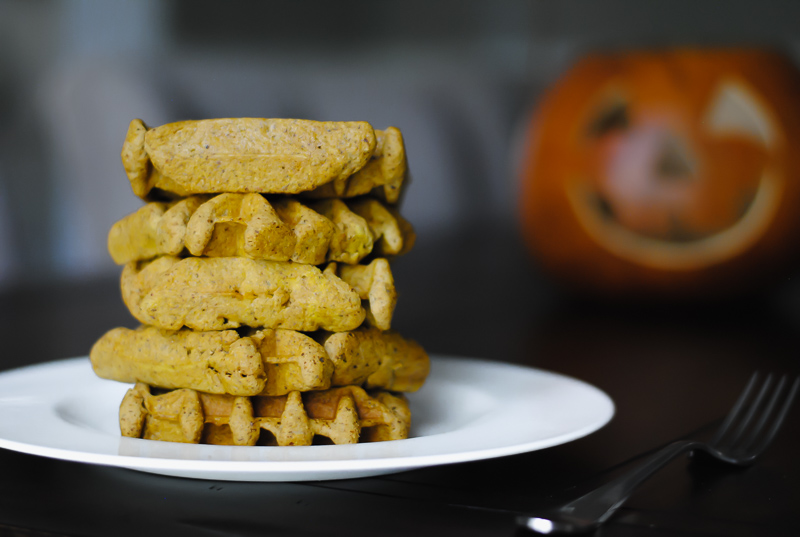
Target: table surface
[[671, 370]]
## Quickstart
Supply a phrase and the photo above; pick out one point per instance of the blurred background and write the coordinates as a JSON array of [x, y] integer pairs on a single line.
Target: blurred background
[[459, 78]]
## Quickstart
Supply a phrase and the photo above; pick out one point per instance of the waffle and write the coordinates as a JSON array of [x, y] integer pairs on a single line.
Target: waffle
[[374, 284], [263, 362], [278, 156], [344, 415], [376, 359], [249, 225], [218, 293], [393, 234], [259, 271], [383, 175], [244, 155]]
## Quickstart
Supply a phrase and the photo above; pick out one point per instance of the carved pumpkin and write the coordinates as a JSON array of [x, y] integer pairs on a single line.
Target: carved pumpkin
[[672, 173]]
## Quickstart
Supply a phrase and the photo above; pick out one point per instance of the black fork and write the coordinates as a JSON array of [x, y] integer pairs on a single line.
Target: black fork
[[743, 436]]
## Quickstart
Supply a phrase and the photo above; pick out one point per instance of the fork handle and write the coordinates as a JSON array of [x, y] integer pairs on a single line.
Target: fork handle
[[592, 509]]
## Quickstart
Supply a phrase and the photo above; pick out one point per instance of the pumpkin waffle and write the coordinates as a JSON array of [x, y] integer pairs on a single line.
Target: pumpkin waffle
[[344, 415], [376, 359], [251, 226], [383, 176], [263, 362], [258, 269], [217, 293], [270, 156]]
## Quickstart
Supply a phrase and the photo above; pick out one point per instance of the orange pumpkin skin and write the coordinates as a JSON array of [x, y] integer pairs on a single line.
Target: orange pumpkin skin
[[666, 174]]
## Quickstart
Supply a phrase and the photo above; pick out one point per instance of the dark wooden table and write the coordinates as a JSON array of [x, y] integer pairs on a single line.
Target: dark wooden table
[[671, 370]]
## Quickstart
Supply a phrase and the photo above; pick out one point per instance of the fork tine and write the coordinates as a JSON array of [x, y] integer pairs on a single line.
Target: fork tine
[[778, 422], [752, 408], [755, 433], [737, 407]]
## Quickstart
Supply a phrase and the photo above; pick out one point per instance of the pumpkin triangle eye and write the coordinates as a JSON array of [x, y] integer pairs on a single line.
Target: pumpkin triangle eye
[[612, 117], [735, 109]]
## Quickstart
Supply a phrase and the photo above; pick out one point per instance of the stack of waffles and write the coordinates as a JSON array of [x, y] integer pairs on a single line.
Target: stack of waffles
[[259, 269]]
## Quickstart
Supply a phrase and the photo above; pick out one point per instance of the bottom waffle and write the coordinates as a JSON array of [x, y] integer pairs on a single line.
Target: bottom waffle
[[343, 415]]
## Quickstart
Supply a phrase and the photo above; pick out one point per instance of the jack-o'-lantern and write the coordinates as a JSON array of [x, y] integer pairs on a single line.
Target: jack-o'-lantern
[[671, 173]]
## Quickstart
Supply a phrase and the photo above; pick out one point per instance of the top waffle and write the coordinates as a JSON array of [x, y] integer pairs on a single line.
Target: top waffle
[[269, 156]]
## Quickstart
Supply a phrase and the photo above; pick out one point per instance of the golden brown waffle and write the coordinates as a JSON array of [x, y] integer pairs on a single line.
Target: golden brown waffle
[[374, 284], [393, 234], [244, 155], [344, 415], [376, 359], [383, 175], [278, 156], [251, 226], [217, 293], [263, 362]]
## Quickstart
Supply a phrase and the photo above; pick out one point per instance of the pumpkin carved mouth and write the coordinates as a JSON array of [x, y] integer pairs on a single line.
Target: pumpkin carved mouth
[[676, 194], [681, 252]]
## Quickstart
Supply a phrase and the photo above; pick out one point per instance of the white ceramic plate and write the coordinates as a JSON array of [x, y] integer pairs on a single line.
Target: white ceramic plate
[[468, 410]]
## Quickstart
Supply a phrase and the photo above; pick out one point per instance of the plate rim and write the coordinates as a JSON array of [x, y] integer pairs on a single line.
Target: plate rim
[[262, 470]]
